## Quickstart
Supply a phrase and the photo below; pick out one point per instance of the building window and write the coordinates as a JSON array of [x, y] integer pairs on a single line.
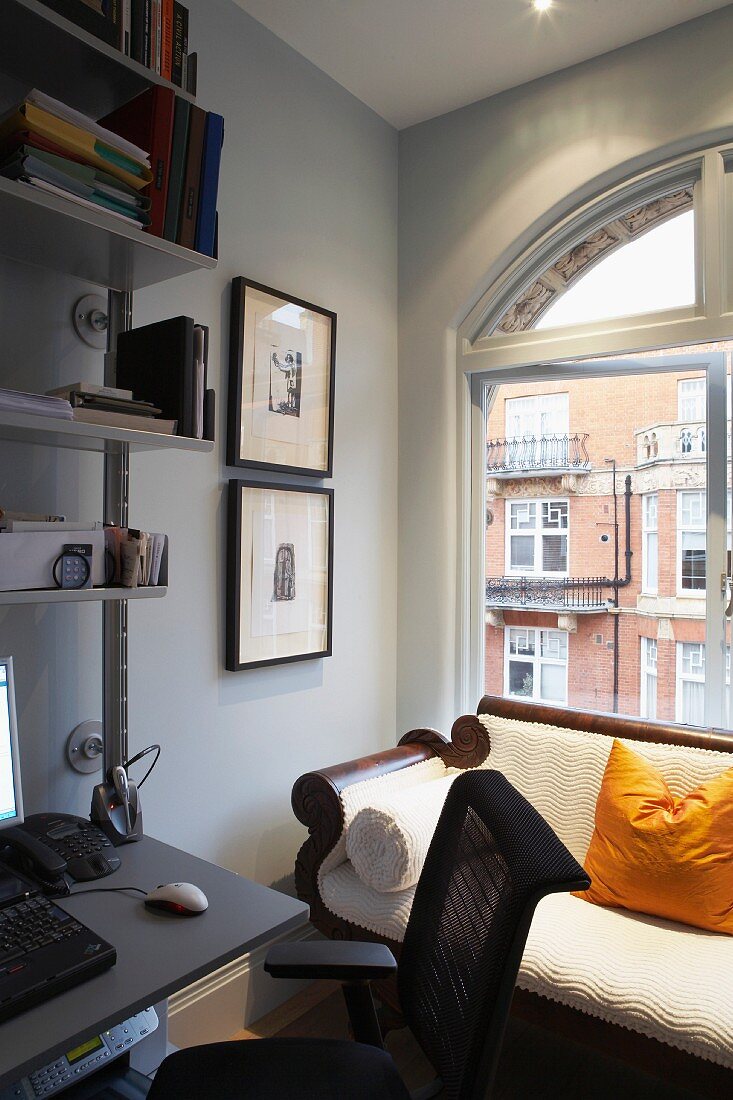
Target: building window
[[691, 537], [691, 399], [648, 700], [536, 664], [690, 707], [537, 536], [686, 441], [650, 543], [538, 416]]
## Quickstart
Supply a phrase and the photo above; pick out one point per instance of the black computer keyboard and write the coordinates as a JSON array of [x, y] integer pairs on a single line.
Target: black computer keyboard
[[43, 951], [32, 924]]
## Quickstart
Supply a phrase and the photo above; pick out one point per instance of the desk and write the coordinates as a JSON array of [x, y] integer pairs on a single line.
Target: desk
[[157, 954]]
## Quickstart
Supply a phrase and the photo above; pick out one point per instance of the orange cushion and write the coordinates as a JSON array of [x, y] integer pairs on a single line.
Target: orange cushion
[[660, 855]]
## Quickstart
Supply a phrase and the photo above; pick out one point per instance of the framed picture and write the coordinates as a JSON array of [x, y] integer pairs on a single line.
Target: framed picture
[[281, 379], [279, 574]]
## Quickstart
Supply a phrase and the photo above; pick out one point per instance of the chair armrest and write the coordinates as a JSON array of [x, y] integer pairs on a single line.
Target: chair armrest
[[341, 960]]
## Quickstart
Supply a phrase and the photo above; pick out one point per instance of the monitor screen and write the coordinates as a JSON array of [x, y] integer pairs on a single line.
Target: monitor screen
[[11, 809]]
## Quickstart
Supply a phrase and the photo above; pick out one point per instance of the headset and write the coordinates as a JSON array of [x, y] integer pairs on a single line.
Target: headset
[[116, 805]]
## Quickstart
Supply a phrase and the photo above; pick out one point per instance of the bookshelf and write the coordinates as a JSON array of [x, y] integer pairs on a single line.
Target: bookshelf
[[44, 50], [85, 595], [49, 432], [39, 48], [50, 231]]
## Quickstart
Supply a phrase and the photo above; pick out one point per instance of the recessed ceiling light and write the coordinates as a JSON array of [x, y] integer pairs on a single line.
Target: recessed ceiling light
[[541, 5]]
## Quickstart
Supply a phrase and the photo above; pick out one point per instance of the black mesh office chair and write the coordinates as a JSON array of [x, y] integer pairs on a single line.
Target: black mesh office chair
[[491, 860]]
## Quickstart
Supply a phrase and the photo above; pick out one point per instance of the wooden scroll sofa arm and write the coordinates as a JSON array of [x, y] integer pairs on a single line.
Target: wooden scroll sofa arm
[[317, 804]]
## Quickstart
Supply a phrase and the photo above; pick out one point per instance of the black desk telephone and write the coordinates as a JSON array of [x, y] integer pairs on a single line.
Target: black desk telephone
[[49, 846]]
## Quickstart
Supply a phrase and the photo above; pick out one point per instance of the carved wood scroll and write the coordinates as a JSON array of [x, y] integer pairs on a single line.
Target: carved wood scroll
[[317, 804]]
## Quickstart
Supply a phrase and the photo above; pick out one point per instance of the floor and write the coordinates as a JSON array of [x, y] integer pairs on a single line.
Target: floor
[[534, 1063]]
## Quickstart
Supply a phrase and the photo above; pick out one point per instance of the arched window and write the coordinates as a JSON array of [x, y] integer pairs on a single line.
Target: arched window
[[618, 308], [640, 262]]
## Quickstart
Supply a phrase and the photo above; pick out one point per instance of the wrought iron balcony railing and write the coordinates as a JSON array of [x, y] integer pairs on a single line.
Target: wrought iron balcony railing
[[527, 454], [549, 593]]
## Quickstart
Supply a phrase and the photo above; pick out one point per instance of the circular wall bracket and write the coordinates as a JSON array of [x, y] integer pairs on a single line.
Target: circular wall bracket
[[84, 747], [90, 320]]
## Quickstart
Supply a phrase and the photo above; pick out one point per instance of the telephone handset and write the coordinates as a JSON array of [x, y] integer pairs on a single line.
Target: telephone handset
[[49, 846]]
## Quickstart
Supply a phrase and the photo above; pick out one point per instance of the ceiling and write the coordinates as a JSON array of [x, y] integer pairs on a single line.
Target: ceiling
[[414, 59]]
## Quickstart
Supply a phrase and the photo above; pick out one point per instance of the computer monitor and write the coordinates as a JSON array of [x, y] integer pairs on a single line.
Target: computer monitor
[[11, 799]]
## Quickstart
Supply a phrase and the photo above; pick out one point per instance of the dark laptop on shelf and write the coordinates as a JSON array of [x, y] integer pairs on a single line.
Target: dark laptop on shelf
[[43, 949]]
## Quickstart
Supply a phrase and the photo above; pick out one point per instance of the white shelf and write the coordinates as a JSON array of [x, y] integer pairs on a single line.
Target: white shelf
[[44, 50], [50, 432], [52, 232], [83, 595]]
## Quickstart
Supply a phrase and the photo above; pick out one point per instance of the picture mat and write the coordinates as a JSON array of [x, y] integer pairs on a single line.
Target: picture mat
[[264, 437], [271, 516]]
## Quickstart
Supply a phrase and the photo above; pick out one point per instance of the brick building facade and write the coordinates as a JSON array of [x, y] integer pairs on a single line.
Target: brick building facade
[[557, 627]]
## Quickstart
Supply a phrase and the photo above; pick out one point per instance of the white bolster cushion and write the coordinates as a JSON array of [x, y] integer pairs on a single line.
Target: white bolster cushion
[[387, 842]]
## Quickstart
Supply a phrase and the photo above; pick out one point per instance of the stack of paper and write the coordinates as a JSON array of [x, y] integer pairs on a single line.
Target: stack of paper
[[59, 150], [36, 403]]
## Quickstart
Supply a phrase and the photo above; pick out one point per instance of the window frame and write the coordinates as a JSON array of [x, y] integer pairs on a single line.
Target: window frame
[[537, 660], [681, 678], [692, 529], [646, 530], [647, 672], [538, 533]]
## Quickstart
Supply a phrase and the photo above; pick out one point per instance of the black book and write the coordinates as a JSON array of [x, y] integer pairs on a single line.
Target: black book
[[179, 143], [137, 32], [156, 363], [105, 25], [180, 42]]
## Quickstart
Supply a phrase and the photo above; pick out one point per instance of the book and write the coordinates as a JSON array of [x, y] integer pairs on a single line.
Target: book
[[191, 180], [124, 420], [106, 153], [155, 15], [209, 185], [126, 28], [137, 31], [166, 46], [79, 400], [156, 363], [192, 67], [181, 116], [101, 20], [95, 388], [180, 42], [210, 415], [77, 118], [147, 120]]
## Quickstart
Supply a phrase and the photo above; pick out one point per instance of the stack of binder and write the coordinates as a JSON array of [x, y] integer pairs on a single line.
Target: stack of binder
[[60, 151], [166, 364], [185, 144]]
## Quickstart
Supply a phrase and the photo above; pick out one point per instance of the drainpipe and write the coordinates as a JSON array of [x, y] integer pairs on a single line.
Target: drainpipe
[[617, 581]]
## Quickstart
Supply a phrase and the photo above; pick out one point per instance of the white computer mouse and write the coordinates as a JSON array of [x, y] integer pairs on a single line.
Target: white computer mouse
[[182, 898]]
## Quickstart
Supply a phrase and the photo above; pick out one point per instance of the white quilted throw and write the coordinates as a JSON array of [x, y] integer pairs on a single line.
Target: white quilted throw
[[388, 841]]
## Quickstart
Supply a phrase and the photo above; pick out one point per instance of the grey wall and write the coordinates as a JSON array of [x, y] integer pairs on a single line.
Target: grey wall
[[476, 186], [308, 204]]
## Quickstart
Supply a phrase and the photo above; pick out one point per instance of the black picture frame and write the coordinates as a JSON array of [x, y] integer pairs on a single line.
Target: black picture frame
[[234, 593], [240, 362]]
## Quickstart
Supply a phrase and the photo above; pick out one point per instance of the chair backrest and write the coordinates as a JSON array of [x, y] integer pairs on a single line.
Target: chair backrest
[[491, 859]]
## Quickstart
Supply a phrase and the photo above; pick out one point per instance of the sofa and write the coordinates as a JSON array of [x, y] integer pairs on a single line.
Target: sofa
[[654, 992]]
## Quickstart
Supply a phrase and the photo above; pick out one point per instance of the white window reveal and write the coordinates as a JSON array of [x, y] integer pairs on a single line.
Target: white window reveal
[[690, 706], [536, 664], [648, 700], [691, 541], [537, 537], [691, 400], [650, 543]]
